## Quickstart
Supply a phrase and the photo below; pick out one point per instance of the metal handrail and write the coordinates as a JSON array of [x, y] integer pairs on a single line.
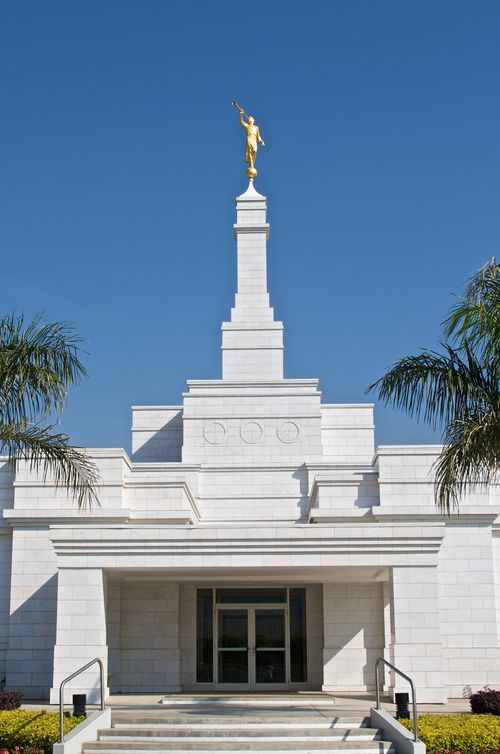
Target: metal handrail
[[412, 686], [70, 678]]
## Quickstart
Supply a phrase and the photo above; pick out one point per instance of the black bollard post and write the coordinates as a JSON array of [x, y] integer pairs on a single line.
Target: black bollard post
[[402, 701], [79, 702]]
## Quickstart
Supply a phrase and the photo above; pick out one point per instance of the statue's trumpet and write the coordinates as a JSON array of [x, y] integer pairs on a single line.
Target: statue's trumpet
[[235, 104]]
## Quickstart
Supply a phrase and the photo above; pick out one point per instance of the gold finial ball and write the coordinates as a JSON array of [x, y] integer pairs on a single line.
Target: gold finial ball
[[251, 173]]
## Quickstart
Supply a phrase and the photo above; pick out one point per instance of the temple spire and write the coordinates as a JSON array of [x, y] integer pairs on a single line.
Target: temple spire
[[252, 342]]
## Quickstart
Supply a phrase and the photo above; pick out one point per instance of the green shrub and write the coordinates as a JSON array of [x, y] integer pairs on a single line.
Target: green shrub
[[467, 734], [36, 730], [10, 699], [485, 702]]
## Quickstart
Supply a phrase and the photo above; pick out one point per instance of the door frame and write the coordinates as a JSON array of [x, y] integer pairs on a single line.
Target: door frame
[[252, 684]]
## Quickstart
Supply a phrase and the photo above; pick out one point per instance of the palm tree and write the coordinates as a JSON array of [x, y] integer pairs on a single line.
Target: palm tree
[[458, 390], [39, 361]]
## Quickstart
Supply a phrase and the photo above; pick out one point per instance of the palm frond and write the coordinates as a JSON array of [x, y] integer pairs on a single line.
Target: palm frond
[[458, 390], [476, 317], [470, 457], [52, 455], [39, 362], [435, 387]]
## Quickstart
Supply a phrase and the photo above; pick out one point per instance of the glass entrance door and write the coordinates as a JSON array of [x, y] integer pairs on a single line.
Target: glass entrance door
[[251, 647], [270, 646], [232, 646]]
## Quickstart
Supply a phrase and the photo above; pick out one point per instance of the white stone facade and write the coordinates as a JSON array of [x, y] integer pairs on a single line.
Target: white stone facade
[[250, 483]]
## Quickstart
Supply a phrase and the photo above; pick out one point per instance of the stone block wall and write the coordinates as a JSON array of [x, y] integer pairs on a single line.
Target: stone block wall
[[32, 493], [230, 423], [143, 636], [81, 633], [353, 635], [157, 433], [253, 494], [496, 576], [348, 433], [314, 615], [5, 564], [405, 476], [415, 641], [33, 611], [6, 501], [468, 609], [113, 601], [252, 351], [187, 634]]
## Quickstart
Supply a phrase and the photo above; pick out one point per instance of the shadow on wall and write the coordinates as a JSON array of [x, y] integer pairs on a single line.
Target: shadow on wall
[[360, 669], [30, 653], [354, 634], [160, 444], [142, 622], [302, 475]]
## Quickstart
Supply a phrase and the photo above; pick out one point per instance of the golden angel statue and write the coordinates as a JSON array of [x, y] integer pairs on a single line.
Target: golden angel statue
[[252, 141]]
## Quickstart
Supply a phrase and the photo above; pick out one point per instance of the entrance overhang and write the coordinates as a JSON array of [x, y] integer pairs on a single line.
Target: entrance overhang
[[247, 547], [250, 576]]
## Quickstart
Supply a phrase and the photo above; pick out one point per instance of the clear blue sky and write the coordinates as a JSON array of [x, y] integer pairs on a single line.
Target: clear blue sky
[[121, 158]]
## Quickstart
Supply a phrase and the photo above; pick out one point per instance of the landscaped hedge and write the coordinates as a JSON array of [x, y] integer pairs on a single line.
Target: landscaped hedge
[[34, 731], [485, 702], [10, 699], [466, 734]]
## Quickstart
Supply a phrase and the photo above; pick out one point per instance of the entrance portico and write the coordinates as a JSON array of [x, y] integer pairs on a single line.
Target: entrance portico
[[166, 626]]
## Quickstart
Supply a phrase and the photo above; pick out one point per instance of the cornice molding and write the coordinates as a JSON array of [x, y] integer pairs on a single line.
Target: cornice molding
[[297, 540], [262, 229]]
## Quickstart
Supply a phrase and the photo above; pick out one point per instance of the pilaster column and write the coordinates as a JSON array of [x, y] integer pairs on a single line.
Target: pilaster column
[[415, 646], [81, 632], [386, 598]]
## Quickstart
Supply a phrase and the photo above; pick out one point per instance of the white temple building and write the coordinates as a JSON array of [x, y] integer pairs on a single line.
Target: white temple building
[[256, 539]]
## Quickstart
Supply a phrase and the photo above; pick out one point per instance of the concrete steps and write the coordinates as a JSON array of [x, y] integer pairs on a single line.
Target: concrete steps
[[297, 731], [221, 721], [249, 700], [202, 745], [295, 746], [356, 734]]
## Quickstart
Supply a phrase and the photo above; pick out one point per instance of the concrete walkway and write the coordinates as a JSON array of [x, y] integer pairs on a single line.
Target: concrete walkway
[[345, 704], [251, 704]]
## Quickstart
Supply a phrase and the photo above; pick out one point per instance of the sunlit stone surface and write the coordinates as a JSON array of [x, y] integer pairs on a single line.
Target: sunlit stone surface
[[250, 482]]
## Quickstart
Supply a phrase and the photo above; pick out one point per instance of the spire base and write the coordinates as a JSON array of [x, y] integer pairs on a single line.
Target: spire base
[[251, 193]]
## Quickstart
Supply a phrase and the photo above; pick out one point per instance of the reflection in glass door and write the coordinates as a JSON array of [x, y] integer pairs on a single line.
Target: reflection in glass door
[[270, 646], [252, 646], [232, 645], [251, 638]]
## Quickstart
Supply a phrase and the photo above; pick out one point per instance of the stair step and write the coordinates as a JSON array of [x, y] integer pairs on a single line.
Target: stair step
[[356, 734], [245, 744], [251, 701], [298, 726], [288, 695], [277, 728], [126, 720]]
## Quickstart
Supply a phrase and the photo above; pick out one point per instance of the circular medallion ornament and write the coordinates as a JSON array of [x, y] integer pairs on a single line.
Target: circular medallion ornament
[[214, 433], [288, 432], [251, 432]]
